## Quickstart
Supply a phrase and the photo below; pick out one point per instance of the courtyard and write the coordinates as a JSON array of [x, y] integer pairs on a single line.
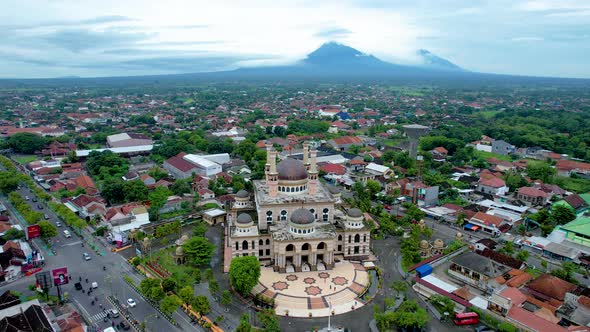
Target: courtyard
[[311, 294]]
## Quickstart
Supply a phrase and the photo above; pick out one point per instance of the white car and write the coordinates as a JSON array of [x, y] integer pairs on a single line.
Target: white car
[[67, 234], [131, 303], [86, 256]]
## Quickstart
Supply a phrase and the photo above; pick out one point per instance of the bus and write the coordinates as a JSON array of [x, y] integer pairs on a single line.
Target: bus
[[466, 318]]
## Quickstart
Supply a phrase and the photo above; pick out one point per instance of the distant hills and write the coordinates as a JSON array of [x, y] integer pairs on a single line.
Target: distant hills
[[337, 60]]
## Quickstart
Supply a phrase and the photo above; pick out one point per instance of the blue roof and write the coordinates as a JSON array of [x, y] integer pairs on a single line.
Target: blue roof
[[424, 270]]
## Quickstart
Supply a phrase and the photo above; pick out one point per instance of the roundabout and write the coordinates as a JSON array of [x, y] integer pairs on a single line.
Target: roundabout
[[312, 294]]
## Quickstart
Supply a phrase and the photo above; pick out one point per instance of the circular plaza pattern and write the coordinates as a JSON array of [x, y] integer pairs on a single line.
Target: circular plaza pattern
[[312, 293]]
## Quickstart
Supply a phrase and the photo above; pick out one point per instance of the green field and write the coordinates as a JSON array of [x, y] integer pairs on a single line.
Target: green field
[[489, 114], [25, 159], [486, 155]]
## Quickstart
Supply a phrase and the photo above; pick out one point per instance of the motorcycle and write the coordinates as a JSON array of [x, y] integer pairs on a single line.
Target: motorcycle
[[92, 302], [104, 268], [86, 280]]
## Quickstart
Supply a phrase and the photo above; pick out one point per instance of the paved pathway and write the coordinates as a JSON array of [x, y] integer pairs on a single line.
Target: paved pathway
[[303, 293]]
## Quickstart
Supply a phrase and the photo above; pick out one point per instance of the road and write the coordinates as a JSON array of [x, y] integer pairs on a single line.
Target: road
[[110, 281]]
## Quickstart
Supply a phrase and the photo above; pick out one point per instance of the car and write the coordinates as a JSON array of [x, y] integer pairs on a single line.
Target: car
[[123, 326], [78, 286], [34, 199], [131, 302], [483, 328], [94, 284], [58, 224], [67, 234], [39, 206], [46, 216], [86, 256], [114, 313], [27, 198]]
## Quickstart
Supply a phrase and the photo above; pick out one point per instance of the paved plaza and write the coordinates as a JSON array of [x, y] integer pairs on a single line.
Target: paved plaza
[[301, 293]]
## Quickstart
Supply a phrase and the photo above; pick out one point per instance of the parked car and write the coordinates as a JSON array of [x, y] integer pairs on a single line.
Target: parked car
[[94, 284], [46, 216], [27, 198], [78, 286], [123, 326], [86, 256], [39, 206], [131, 302], [67, 233], [483, 328], [58, 224], [34, 199]]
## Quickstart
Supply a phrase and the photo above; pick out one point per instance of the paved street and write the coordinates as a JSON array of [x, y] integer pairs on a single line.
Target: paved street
[[69, 253]]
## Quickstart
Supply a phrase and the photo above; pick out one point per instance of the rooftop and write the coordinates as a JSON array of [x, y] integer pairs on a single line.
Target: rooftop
[[263, 197]]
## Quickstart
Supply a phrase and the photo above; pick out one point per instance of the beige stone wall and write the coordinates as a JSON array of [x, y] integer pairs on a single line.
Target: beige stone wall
[[290, 207], [254, 246]]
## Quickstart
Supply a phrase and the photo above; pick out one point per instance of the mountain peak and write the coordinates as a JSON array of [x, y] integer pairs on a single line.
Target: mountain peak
[[334, 53], [432, 60]]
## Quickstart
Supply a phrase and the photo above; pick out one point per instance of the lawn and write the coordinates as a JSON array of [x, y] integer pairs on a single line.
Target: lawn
[[489, 114], [486, 155], [25, 159], [182, 274]]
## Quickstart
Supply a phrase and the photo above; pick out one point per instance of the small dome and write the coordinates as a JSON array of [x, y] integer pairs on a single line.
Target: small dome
[[355, 213], [242, 194], [244, 218], [333, 190], [423, 244], [459, 235], [184, 238], [291, 169], [302, 217], [179, 251], [438, 243]]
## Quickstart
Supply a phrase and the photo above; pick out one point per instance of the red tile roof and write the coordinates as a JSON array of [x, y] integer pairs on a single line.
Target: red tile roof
[[179, 163], [569, 165], [551, 286], [493, 182], [85, 182], [333, 168], [488, 219], [348, 140], [532, 192]]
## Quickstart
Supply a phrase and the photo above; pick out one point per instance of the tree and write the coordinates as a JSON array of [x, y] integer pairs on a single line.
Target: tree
[[200, 228], [8, 182], [13, 234], [373, 186], [187, 294], [566, 272], [135, 190], [147, 285], [269, 320], [562, 214], [515, 180], [28, 143], [443, 304], [156, 293], [509, 248], [169, 285], [169, 304], [201, 305], [158, 198], [523, 255], [539, 170], [226, 298], [180, 187], [213, 286], [47, 229], [244, 324], [113, 190], [244, 273], [399, 286], [198, 250]]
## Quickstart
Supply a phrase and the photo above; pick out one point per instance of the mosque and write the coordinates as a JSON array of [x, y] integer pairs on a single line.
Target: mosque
[[292, 222]]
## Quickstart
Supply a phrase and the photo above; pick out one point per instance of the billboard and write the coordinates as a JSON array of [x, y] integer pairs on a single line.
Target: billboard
[[60, 276], [43, 280], [33, 231]]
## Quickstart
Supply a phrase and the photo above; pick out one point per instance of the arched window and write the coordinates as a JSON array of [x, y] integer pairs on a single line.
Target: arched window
[[357, 238], [340, 237], [237, 246], [305, 246], [283, 215], [267, 241], [290, 247], [326, 215], [260, 242], [245, 245], [365, 238], [349, 238], [321, 246], [268, 216], [253, 245], [299, 231]]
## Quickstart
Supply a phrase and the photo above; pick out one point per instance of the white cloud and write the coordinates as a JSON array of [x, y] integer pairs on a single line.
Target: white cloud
[[527, 39]]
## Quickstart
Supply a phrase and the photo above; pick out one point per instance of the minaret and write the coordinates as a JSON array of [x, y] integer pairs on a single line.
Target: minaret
[[313, 174], [306, 155], [272, 176], [268, 159]]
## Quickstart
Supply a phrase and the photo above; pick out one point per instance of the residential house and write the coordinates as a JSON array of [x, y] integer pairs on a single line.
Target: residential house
[[578, 230], [439, 154], [378, 170], [578, 203], [420, 194], [550, 289], [493, 186], [569, 167], [205, 194], [345, 142], [86, 206], [476, 270], [30, 316], [357, 165], [488, 223], [184, 165], [147, 179], [85, 182], [533, 196], [502, 147], [126, 217], [214, 216], [130, 176], [333, 169]]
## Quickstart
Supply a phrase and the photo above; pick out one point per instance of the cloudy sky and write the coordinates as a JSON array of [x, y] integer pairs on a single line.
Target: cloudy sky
[[55, 38]]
